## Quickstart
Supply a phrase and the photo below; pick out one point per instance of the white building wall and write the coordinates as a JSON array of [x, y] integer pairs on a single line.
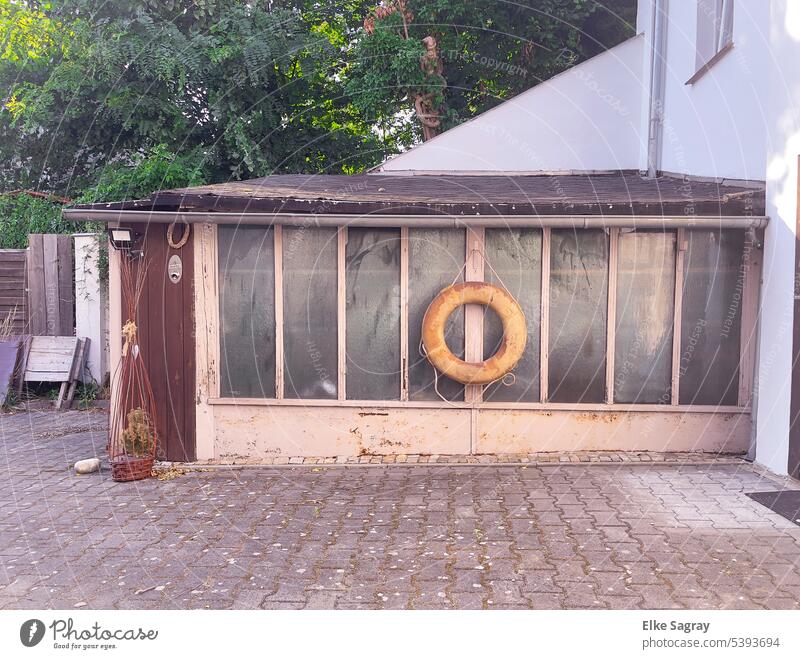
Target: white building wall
[[595, 115], [783, 150], [91, 305], [587, 118], [717, 126]]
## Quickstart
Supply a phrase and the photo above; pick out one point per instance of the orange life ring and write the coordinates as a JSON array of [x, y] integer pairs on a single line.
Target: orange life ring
[[515, 334]]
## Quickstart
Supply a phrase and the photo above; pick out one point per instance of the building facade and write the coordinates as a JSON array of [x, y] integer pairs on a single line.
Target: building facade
[[623, 203]]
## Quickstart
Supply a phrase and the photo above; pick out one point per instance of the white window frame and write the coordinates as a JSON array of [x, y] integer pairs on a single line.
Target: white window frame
[[713, 34]]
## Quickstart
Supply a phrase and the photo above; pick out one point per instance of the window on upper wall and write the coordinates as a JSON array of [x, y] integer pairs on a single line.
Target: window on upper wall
[[714, 29]]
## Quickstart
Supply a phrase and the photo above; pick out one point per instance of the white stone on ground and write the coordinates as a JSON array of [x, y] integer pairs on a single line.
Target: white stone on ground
[[87, 466]]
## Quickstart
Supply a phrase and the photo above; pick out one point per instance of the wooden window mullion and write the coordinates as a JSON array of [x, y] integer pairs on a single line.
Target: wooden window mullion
[[544, 329], [279, 354], [611, 319], [404, 313], [680, 246]]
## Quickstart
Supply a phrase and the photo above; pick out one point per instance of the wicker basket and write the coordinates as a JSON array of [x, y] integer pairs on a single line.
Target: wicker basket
[[128, 468]]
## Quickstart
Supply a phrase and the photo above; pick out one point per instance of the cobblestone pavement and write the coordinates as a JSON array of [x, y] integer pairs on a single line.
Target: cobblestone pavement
[[486, 536]]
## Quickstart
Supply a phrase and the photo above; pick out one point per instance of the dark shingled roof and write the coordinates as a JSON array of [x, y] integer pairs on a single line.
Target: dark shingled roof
[[619, 193]]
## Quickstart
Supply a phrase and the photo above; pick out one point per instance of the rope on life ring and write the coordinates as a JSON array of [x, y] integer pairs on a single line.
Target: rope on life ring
[[184, 237], [511, 349]]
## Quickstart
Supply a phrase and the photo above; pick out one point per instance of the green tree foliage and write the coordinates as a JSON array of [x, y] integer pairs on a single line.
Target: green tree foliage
[[489, 51], [247, 88], [111, 100], [158, 169], [27, 33], [21, 214]]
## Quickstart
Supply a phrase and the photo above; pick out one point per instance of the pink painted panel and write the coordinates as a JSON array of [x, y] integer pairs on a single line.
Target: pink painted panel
[[262, 431], [524, 431]]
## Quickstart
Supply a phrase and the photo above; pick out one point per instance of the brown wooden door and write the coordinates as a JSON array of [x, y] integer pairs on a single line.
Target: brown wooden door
[[166, 339]]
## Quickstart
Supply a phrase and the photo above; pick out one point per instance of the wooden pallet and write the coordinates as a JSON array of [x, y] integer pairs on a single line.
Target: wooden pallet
[[57, 359]]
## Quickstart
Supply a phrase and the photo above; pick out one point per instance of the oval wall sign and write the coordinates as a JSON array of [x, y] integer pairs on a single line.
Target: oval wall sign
[[174, 268]]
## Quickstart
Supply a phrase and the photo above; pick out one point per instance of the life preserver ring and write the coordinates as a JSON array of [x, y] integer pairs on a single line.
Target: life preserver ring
[[515, 334]]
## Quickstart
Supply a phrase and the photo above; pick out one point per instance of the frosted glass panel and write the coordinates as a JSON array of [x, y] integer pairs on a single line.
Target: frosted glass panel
[[645, 308], [711, 318], [578, 311], [516, 255], [373, 314], [310, 344], [247, 312], [435, 257]]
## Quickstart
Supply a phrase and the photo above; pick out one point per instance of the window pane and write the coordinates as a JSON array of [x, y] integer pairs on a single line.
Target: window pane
[[435, 257], [247, 312], [711, 318], [373, 314], [310, 345], [714, 29], [578, 311], [516, 255], [645, 309]]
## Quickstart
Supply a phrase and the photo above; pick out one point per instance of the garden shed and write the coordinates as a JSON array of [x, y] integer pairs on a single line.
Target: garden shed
[[289, 322]]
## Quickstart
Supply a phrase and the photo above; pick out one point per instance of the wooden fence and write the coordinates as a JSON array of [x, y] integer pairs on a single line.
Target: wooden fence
[[12, 289], [37, 286], [51, 304]]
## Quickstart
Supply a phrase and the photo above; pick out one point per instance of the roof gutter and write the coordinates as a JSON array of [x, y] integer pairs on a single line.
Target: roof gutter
[[658, 65], [422, 221]]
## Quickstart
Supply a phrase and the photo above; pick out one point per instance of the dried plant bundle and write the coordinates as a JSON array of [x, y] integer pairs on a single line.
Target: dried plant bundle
[[133, 436]]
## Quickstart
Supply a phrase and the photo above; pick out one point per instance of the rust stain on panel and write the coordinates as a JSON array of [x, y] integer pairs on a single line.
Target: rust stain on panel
[[595, 417]]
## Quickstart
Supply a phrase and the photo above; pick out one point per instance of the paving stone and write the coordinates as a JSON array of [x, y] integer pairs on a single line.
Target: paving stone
[[650, 532]]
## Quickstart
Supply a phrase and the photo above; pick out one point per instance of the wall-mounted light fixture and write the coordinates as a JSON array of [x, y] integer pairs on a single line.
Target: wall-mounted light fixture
[[124, 240]]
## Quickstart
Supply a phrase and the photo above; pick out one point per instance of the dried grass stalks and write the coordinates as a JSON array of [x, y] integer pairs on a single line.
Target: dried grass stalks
[[7, 325], [133, 436]]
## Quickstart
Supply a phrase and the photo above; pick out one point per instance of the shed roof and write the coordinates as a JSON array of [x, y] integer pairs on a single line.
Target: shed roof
[[617, 193]]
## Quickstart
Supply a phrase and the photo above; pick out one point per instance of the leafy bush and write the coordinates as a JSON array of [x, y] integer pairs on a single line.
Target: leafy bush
[[21, 214], [157, 169]]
